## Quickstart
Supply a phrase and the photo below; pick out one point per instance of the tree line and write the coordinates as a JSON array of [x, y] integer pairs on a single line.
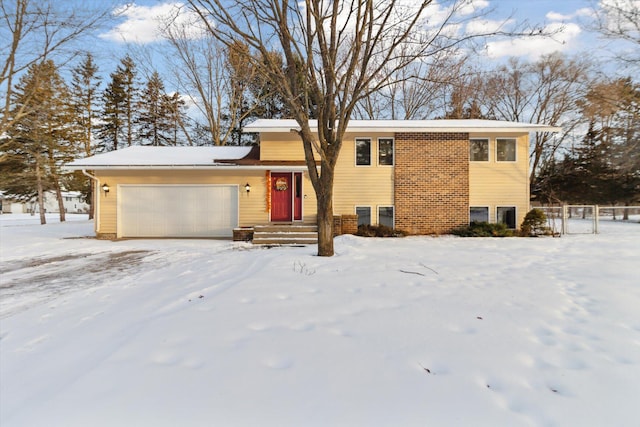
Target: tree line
[[382, 68]]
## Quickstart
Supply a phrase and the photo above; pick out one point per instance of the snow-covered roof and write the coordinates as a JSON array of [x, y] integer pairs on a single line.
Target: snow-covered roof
[[471, 125], [160, 157]]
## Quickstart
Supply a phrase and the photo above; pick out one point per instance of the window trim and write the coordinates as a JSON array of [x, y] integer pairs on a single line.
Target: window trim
[[393, 150], [487, 207], [488, 140], [393, 214], [355, 210], [355, 151], [515, 216], [515, 150]]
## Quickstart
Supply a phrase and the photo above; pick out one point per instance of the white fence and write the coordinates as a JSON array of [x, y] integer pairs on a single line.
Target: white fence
[[589, 219]]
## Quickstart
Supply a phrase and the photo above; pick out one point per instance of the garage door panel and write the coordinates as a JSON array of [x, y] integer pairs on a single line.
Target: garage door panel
[[178, 210]]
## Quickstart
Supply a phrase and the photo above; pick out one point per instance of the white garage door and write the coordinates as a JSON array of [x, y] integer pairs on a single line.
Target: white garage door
[[177, 210]]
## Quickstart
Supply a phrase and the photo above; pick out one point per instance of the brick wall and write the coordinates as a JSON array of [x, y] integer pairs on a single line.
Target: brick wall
[[431, 181]]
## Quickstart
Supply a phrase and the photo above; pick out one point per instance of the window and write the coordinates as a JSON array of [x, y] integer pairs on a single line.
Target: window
[[364, 215], [479, 151], [385, 216], [363, 152], [506, 150], [507, 215], [478, 214], [385, 151]]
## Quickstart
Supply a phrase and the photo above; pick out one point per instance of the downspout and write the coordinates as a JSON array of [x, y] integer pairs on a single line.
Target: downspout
[[96, 198]]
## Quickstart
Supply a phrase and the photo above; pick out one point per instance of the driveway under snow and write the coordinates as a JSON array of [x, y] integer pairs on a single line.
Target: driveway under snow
[[417, 331]]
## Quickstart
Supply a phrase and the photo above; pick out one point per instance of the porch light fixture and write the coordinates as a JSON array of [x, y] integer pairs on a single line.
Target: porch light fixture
[[105, 188], [247, 187]]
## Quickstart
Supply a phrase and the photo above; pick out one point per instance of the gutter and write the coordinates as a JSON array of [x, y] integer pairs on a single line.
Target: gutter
[[96, 197], [185, 167]]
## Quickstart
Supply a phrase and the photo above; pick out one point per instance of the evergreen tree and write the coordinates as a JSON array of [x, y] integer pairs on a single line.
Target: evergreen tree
[[174, 107], [84, 87], [127, 71], [154, 113], [39, 143], [113, 114], [119, 107]]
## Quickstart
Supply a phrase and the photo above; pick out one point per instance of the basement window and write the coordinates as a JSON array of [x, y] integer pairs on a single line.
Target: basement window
[[385, 216], [364, 215], [479, 214], [363, 152], [507, 215]]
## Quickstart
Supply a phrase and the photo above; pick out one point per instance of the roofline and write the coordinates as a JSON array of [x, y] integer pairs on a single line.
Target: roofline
[[397, 126], [185, 167], [353, 129]]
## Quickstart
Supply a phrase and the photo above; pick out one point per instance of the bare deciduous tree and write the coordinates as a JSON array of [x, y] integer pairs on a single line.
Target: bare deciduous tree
[[417, 92], [32, 31], [620, 20], [210, 73], [336, 53], [546, 91]]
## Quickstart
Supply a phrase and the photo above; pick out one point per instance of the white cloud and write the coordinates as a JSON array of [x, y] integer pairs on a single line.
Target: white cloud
[[143, 24], [486, 26], [535, 46], [585, 11], [470, 7], [554, 16]]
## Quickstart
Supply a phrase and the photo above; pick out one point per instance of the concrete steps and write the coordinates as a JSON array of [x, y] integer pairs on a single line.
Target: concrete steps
[[285, 234]]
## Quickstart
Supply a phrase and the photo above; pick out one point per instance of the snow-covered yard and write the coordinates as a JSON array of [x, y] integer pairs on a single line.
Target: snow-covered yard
[[417, 331]]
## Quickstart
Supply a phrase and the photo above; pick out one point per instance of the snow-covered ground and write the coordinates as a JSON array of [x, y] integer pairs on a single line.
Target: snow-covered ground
[[417, 331]]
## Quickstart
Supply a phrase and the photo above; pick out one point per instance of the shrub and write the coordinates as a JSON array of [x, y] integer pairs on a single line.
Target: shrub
[[534, 224], [379, 231], [483, 229]]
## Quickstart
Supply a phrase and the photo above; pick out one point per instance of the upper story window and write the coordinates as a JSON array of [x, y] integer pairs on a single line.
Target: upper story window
[[363, 152], [479, 150], [385, 151], [506, 149]]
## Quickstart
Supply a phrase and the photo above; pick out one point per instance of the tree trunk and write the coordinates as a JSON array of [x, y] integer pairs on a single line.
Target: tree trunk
[[325, 224], [43, 219], [56, 185], [324, 196]]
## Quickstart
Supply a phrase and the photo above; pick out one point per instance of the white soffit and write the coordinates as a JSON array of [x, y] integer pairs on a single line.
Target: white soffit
[[472, 125]]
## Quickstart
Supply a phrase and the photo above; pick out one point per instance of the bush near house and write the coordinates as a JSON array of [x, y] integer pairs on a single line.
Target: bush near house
[[379, 231], [534, 224], [483, 229]]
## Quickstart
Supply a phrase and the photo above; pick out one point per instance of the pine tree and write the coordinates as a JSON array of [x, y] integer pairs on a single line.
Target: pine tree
[[174, 107], [113, 100], [128, 73], [40, 142], [119, 107], [84, 87], [154, 112]]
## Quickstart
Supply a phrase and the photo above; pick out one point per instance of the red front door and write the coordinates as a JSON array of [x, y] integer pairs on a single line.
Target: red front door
[[281, 197]]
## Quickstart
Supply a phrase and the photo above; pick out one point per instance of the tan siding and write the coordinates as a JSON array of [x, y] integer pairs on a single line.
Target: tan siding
[[496, 184], [252, 206], [353, 186], [361, 185], [281, 147]]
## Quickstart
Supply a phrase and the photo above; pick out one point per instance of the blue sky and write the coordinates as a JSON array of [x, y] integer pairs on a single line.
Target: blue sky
[[135, 31]]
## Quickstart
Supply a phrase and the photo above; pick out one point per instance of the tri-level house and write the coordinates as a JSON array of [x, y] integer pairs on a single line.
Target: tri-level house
[[422, 176]]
